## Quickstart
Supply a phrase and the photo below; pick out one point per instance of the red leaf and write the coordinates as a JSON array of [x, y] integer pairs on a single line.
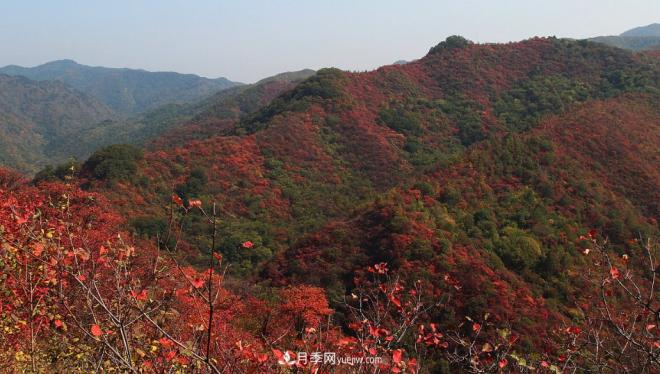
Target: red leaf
[[396, 355], [139, 296], [165, 342], [574, 330], [195, 203], [96, 330], [502, 363], [170, 355], [380, 268], [395, 301], [37, 249], [476, 327], [198, 283], [177, 200], [614, 272], [248, 244], [58, 323]]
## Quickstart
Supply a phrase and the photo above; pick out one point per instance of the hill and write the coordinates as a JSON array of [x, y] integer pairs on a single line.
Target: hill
[[173, 124], [637, 39], [338, 141], [487, 176], [126, 91], [649, 30], [163, 125], [37, 117]]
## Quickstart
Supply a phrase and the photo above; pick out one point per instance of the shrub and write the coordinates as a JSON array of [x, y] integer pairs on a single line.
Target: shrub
[[518, 250], [452, 42], [115, 162], [193, 186], [59, 172]]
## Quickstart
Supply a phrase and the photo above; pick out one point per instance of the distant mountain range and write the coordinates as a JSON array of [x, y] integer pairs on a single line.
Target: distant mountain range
[[174, 124], [36, 116], [637, 39], [125, 91], [649, 30], [50, 122], [63, 109]]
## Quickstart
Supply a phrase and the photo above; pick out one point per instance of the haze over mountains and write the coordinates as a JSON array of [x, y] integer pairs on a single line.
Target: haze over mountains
[[90, 107], [126, 91], [181, 122], [141, 105], [637, 39], [35, 117]]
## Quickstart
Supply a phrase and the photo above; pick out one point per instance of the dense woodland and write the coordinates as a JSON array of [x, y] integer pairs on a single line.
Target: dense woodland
[[486, 208]]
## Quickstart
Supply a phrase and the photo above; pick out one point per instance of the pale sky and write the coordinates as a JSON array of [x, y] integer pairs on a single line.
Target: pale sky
[[246, 40]]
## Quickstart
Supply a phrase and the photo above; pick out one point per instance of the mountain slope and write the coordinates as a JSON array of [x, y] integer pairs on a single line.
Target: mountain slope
[[126, 91], [216, 115], [637, 39], [174, 124], [350, 136], [35, 117], [649, 30], [477, 166]]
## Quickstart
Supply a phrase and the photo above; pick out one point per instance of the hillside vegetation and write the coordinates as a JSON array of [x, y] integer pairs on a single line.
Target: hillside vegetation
[[125, 91], [490, 157], [36, 118], [637, 39], [486, 208]]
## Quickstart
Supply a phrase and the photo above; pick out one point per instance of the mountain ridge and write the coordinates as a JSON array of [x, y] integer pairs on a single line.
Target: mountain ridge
[[644, 38], [36, 116], [482, 175], [173, 123], [127, 91], [648, 30]]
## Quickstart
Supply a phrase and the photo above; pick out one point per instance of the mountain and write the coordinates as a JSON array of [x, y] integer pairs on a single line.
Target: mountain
[[490, 157], [650, 30], [126, 91], [163, 125], [36, 117], [465, 196], [173, 124], [637, 39]]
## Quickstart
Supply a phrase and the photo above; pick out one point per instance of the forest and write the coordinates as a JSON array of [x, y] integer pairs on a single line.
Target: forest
[[485, 208]]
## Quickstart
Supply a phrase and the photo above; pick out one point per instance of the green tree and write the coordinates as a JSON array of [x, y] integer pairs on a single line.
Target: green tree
[[115, 162]]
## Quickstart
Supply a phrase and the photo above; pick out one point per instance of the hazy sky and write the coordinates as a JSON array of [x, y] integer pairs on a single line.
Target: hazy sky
[[246, 40]]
